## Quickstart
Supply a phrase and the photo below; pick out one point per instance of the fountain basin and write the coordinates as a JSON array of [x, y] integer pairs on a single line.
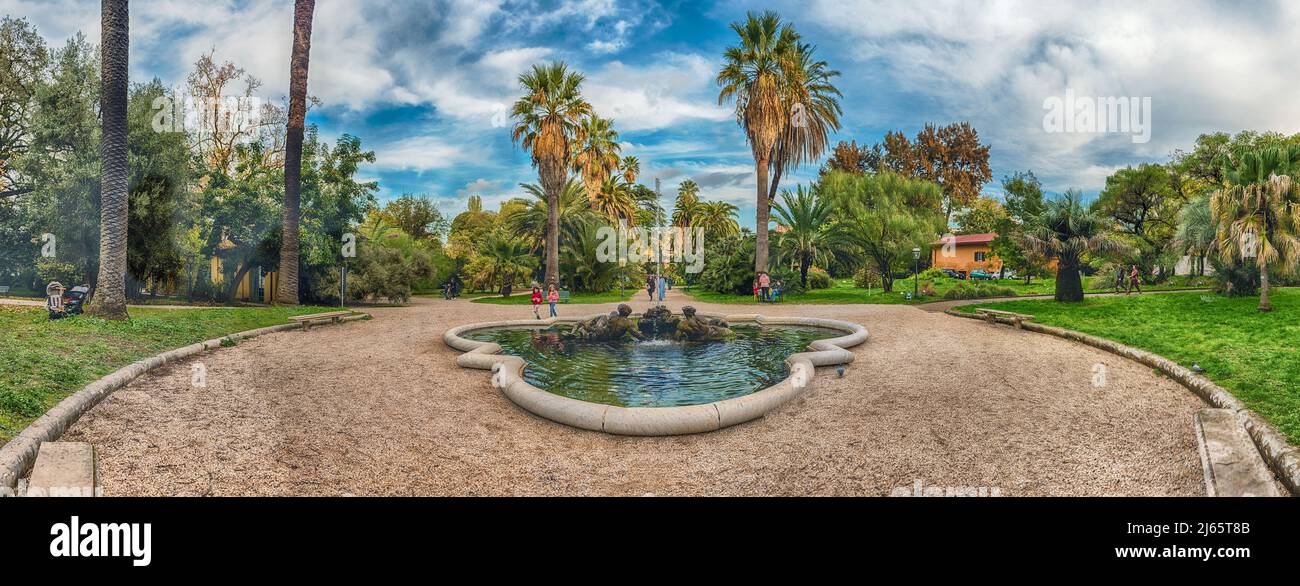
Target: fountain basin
[[509, 377]]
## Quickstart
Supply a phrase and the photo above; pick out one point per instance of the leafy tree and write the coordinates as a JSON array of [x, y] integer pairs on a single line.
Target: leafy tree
[[23, 62], [417, 216], [1144, 205], [686, 209], [159, 178], [509, 258], [883, 217], [1066, 231], [981, 217], [596, 156], [1023, 202]]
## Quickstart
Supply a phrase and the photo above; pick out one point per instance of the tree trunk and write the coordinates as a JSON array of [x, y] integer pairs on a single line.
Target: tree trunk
[[287, 287], [1264, 304], [553, 174], [803, 270], [1069, 285], [110, 289], [762, 215], [233, 287]]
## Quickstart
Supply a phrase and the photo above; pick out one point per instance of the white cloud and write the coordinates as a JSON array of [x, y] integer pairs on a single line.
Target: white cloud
[[425, 153], [675, 88]]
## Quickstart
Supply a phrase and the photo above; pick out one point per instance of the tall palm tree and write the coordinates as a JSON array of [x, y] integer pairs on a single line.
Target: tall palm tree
[[754, 75], [1196, 236], [287, 290], [631, 167], [809, 232], [1258, 211], [814, 107], [547, 118], [615, 202], [688, 204], [596, 158], [110, 284], [1065, 230]]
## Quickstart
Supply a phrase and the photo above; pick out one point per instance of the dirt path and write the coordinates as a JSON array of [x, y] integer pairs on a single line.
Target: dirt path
[[379, 407]]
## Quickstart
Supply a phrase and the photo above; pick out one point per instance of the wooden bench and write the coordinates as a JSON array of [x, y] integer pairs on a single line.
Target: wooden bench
[[992, 315], [565, 296], [307, 320]]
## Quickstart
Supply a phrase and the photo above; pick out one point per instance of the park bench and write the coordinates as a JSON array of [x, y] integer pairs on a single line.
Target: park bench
[[307, 320], [564, 296], [992, 315], [4, 290]]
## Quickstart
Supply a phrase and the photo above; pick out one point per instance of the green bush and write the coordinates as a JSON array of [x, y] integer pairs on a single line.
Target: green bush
[[866, 278], [819, 279], [933, 274], [977, 291]]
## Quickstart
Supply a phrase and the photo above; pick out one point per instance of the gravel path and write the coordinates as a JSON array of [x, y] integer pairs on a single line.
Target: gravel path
[[380, 408]]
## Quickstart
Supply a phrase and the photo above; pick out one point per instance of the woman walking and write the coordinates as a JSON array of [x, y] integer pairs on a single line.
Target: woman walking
[[1135, 280], [650, 287], [553, 297]]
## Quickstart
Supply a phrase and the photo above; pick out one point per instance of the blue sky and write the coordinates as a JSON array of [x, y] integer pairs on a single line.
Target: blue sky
[[420, 82]]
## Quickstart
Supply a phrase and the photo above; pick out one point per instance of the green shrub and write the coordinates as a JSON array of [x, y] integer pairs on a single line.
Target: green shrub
[[978, 291], [933, 274], [819, 279], [866, 278]]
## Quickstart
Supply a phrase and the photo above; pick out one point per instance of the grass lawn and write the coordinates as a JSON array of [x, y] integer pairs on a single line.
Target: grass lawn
[[45, 361], [844, 292], [524, 297], [1254, 355]]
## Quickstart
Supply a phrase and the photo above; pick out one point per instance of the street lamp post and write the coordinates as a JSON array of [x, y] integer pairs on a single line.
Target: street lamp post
[[916, 272]]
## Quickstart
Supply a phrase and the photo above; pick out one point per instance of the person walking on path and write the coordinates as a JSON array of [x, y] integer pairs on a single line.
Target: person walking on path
[[537, 302], [553, 297], [765, 286], [650, 287], [1119, 280], [663, 288], [1135, 280]]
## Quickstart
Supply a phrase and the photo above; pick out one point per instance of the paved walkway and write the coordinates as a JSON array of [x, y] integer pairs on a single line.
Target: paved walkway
[[379, 408]]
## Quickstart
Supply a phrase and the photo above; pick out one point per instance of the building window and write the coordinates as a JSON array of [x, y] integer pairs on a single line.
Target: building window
[[981, 256]]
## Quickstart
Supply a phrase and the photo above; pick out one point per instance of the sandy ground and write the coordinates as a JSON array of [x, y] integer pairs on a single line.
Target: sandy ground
[[380, 408]]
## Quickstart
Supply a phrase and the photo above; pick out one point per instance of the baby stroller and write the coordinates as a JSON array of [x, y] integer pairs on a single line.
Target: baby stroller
[[75, 299]]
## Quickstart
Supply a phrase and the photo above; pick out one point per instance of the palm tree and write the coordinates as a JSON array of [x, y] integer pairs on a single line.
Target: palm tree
[[1065, 230], [597, 153], [1257, 211], [813, 103], [631, 167], [509, 257], [529, 221], [547, 125], [287, 289], [1195, 236], [754, 75], [718, 218], [615, 201], [808, 232], [688, 203], [110, 284]]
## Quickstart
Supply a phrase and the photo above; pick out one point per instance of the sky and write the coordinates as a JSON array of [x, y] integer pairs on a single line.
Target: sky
[[424, 83]]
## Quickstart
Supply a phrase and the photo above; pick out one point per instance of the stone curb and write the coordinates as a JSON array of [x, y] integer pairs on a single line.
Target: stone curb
[[17, 456], [654, 421], [1282, 457]]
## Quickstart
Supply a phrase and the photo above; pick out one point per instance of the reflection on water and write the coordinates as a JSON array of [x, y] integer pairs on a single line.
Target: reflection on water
[[655, 373]]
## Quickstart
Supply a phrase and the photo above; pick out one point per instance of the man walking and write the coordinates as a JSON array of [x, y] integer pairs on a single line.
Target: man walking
[[765, 286]]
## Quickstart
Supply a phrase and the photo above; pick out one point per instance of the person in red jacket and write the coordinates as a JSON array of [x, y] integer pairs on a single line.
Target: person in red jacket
[[537, 302]]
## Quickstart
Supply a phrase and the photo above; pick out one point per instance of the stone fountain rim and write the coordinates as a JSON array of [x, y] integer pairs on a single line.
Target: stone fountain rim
[[654, 421]]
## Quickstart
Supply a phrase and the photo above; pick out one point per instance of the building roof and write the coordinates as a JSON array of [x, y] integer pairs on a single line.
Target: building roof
[[961, 239]]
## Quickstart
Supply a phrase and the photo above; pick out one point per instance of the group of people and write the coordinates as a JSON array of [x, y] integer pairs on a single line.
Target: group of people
[[1128, 285], [766, 290], [552, 296], [660, 284]]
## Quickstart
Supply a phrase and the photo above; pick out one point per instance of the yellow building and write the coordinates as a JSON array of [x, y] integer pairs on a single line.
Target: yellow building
[[964, 253]]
